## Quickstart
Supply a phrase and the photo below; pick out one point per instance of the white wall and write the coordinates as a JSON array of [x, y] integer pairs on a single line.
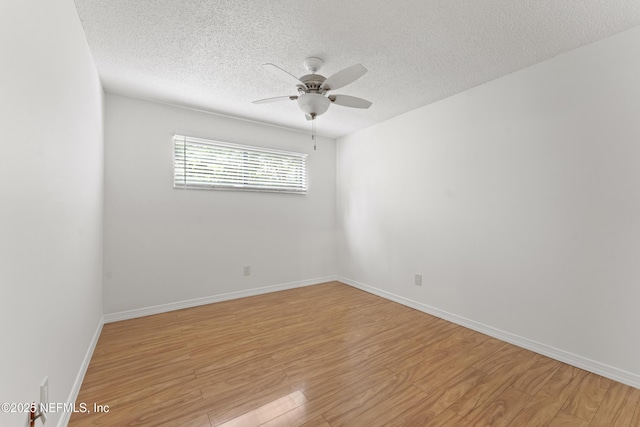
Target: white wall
[[50, 201], [164, 245], [518, 201]]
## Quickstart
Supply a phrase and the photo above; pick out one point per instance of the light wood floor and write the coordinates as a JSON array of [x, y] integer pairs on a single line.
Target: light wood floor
[[331, 355]]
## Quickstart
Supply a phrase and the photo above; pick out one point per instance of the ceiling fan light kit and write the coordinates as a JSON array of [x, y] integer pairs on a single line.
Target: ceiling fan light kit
[[313, 104]]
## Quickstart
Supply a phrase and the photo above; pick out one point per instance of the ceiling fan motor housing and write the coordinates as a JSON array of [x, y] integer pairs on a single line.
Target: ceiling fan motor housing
[[313, 82]]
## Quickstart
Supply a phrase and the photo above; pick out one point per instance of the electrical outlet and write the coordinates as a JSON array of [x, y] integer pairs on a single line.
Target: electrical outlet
[[418, 279], [247, 270]]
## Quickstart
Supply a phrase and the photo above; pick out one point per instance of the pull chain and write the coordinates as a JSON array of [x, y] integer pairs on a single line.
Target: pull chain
[[313, 133]]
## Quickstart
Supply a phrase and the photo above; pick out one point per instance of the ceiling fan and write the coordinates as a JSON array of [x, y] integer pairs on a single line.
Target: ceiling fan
[[313, 98]]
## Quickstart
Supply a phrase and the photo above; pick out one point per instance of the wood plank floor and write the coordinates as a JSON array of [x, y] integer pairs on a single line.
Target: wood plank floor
[[331, 355]]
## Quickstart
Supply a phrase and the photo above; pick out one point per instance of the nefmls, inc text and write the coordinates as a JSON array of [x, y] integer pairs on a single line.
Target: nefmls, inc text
[[81, 407]]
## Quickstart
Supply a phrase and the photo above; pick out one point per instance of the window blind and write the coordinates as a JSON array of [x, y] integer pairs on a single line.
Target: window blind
[[206, 164]]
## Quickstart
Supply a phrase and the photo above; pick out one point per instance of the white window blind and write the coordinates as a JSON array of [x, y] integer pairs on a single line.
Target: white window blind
[[205, 164]]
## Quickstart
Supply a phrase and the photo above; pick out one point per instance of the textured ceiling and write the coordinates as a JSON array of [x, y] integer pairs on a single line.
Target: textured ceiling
[[207, 54]]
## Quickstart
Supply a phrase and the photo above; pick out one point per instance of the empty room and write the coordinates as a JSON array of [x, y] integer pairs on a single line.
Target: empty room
[[290, 213]]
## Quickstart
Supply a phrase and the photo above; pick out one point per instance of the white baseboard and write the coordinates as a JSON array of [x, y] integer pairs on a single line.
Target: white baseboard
[[66, 415], [599, 368], [157, 309]]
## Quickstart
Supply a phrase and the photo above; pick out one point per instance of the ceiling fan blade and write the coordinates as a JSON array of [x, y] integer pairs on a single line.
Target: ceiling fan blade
[[350, 101], [283, 75], [275, 99], [344, 77]]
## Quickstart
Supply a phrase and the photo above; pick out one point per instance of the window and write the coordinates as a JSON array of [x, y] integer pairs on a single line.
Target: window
[[200, 163]]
